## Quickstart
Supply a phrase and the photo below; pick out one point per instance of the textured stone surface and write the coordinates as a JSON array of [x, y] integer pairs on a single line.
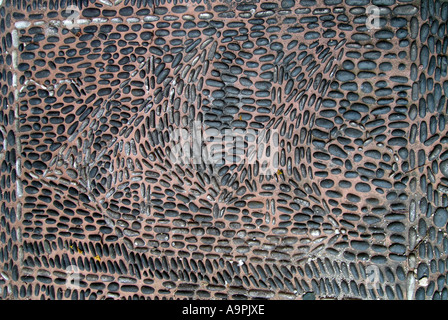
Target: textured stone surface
[[94, 92]]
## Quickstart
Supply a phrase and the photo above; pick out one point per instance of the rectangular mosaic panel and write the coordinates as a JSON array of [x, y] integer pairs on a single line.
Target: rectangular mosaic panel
[[223, 149]]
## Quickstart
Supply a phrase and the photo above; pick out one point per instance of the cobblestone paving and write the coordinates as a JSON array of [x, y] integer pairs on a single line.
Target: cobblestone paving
[[347, 98]]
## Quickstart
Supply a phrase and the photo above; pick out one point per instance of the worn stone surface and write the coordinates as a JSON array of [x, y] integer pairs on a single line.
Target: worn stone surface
[[92, 182]]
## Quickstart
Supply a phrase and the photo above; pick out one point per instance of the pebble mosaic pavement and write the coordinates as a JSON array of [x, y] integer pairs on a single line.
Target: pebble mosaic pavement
[[86, 179]]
